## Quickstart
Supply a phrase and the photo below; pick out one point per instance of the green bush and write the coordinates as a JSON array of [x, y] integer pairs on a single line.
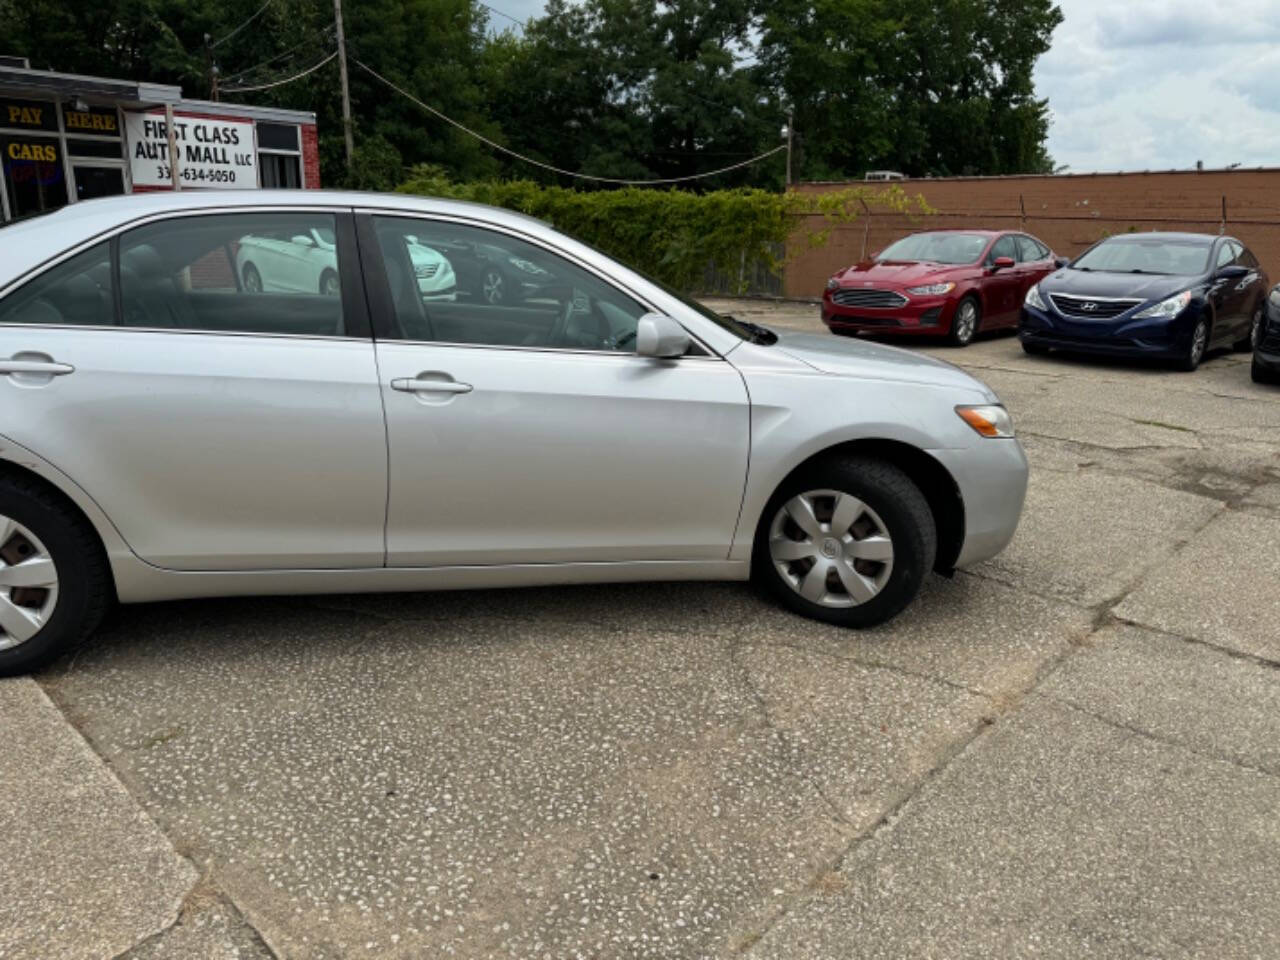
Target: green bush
[[674, 235]]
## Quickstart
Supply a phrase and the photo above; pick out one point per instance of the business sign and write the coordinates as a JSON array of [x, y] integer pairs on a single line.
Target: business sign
[[28, 114], [211, 152], [98, 121]]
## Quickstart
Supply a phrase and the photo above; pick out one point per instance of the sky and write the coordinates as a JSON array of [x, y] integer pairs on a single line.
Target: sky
[[1148, 84]]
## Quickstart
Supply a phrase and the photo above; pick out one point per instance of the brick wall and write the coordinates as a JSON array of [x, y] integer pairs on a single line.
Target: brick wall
[[1067, 212], [310, 157]]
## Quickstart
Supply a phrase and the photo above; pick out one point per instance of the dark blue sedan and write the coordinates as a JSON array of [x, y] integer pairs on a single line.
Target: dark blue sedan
[[1171, 296]]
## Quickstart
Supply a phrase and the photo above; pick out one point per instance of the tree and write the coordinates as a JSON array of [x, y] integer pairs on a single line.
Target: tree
[[937, 87]]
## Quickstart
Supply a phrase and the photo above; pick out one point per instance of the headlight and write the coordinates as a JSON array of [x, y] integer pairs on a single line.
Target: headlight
[[931, 289], [1033, 298], [833, 284], [988, 419], [1168, 308], [1274, 297]]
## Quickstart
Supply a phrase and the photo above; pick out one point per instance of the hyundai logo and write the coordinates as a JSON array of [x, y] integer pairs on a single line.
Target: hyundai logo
[[1090, 306]]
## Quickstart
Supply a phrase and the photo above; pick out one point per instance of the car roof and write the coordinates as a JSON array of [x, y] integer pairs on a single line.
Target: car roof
[[29, 243], [1168, 235]]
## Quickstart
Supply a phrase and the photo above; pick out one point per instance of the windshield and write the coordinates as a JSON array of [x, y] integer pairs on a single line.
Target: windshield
[[1184, 257], [937, 248]]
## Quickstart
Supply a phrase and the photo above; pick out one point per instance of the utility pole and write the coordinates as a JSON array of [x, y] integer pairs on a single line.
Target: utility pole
[[346, 90], [212, 67], [790, 125]]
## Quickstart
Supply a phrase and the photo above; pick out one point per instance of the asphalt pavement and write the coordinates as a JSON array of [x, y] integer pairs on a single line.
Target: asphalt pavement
[[1071, 750]]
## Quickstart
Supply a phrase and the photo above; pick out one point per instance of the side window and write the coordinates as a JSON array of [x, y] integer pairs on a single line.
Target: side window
[[1226, 254], [1247, 259], [1004, 247], [1028, 250], [269, 273], [76, 292], [452, 283]]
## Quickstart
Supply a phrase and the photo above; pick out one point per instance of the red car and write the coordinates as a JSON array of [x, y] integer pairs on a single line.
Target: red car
[[940, 283]]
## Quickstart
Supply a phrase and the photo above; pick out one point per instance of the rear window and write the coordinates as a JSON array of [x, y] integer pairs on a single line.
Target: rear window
[[1183, 257], [77, 292]]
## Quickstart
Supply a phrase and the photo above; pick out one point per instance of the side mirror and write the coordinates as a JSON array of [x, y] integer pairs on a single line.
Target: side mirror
[[302, 240], [1232, 271], [659, 336], [1060, 262], [1002, 263]]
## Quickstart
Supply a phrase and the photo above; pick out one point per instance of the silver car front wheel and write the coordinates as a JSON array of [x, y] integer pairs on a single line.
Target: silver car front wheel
[[848, 541], [831, 548], [28, 584]]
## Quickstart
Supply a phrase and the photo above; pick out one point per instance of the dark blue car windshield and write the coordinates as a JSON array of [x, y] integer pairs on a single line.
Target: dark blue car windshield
[[1147, 255]]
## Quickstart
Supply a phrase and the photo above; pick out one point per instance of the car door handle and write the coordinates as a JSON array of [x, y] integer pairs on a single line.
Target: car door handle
[[408, 385], [47, 367]]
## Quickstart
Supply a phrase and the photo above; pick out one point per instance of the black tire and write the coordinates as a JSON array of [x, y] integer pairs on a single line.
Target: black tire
[[1261, 374], [961, 335], [1251, 339], [251, 279], [493, 286], [908, 522], [84, 578], [1034, 349], [1190, 360]]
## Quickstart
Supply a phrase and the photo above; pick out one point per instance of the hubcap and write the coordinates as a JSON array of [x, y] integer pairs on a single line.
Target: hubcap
[[965, 321], [493, 287], [330, 287], [831, 548], [1198, 340], [28, 584], [1255, 331], [252, 282]]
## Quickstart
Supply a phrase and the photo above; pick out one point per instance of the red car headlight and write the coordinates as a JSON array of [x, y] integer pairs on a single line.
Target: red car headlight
[[932, 289]]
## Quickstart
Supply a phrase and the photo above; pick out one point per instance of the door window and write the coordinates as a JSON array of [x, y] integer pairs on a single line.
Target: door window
[[1004, 247], [1030, 251], [77, 292], [268, 273], [452, 283], [1246, 259], [1226, 254]]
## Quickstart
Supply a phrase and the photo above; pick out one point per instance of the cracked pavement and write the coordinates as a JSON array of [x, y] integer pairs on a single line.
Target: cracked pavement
[[1068, 751]]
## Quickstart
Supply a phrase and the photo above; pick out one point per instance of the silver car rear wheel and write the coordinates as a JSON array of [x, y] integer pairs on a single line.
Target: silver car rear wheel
[[28, 584], [831, 548]]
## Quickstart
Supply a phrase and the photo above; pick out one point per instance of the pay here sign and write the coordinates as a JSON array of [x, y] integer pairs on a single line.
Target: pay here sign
[[211, 152]]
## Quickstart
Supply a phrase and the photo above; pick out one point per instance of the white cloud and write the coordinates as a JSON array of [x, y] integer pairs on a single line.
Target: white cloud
[[1160, 84]]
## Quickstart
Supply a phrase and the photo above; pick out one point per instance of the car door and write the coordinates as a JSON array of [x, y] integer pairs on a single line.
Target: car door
[[1229, 292], [217, 429], [531, 432], [1001, 286]]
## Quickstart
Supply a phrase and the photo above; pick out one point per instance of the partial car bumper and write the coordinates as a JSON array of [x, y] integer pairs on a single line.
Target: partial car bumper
[[919, 315], [1125, 336], [992, 477]]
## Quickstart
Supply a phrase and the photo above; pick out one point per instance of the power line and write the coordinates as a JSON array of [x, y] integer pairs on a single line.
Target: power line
[[261, 9], [546, 166], [281, 83], [501, 14], [241, 74]]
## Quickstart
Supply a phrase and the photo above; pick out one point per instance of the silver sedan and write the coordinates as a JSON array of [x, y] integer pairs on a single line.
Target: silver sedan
[[166, 432]]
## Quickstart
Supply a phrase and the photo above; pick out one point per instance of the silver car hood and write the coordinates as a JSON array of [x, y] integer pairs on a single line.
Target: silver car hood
[[849, 357]]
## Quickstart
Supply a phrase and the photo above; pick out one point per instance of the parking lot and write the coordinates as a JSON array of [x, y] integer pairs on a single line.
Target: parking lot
[[1072, 750]]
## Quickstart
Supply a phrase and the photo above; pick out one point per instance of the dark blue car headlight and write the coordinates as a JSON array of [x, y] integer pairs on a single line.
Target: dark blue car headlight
[[1033, 298], [1166, 309]]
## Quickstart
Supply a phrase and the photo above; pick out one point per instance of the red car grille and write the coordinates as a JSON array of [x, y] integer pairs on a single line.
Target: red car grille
[[868, 297]]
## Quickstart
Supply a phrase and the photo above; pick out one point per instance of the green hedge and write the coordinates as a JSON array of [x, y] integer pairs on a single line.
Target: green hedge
[[675, 235]]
